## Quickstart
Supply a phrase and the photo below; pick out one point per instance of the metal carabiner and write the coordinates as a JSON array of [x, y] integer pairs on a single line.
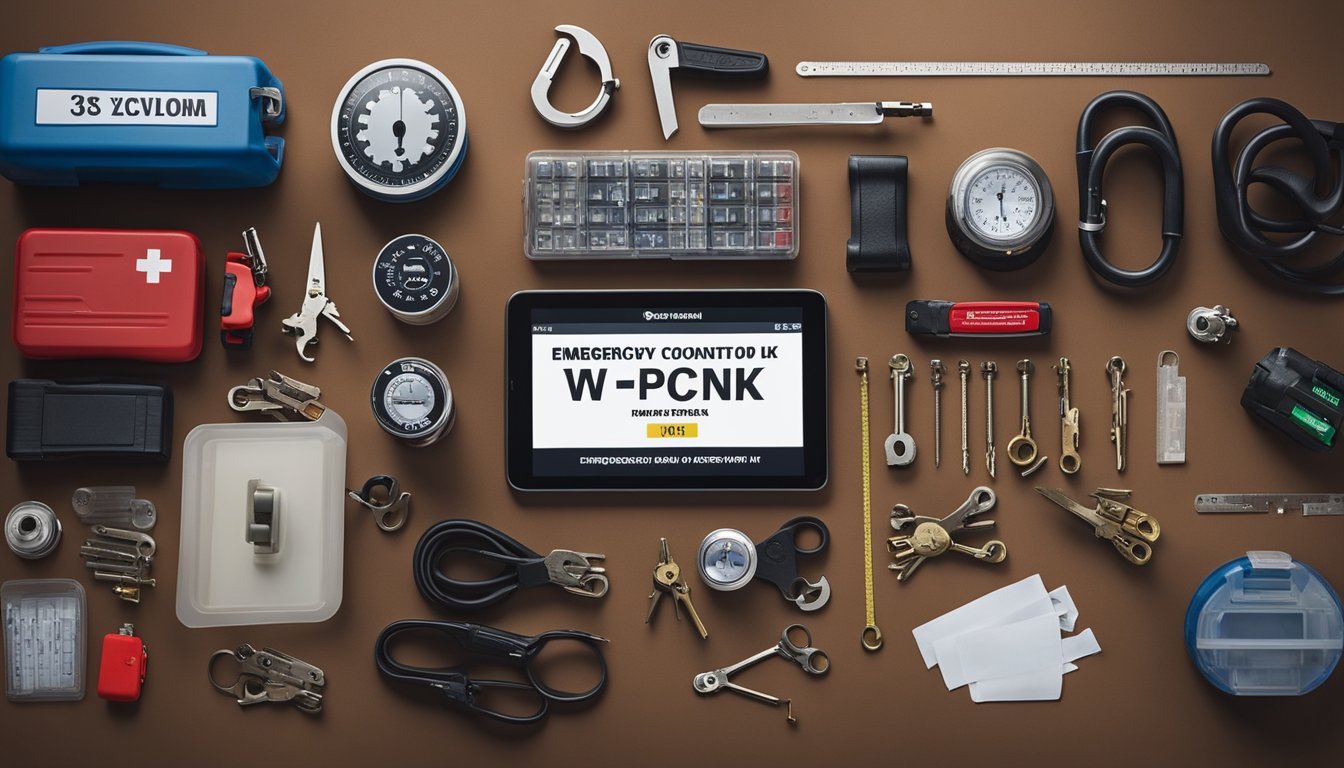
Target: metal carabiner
[[591, 48], [1092, 167]]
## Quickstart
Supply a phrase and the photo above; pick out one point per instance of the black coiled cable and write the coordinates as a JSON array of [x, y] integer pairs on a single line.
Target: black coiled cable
[[1246, 229], [1092, 169]]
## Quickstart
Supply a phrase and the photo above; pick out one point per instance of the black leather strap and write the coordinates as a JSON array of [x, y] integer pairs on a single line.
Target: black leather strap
[[877, 201]]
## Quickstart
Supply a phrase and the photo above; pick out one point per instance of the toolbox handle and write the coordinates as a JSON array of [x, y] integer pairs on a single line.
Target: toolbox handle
[[124, 47]]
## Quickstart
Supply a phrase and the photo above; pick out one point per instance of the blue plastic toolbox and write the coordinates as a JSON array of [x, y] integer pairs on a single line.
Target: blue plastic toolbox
[[139, 113]]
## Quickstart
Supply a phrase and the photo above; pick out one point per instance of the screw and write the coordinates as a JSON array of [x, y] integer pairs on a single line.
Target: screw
[[936, 369], [989, 368], [964, 368]]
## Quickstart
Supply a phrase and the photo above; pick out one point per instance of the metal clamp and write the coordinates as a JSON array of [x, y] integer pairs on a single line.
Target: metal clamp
[[278, 396], [591, 48], [263, 518], [390, 512], [269, 675], [272, 102]]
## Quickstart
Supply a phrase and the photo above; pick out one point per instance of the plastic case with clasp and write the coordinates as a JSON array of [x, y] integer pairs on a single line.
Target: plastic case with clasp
[[132, 294], [148, 113]]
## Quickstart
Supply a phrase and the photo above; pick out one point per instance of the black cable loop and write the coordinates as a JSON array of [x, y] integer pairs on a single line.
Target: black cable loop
[[1315, 202], [1091, 171]]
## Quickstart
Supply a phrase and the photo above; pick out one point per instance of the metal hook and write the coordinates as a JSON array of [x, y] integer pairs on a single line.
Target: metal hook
[[811, 596], [591, 48], [390, 514]]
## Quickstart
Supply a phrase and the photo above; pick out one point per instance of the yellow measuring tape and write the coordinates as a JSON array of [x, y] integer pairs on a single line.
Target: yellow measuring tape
[[872, 636]]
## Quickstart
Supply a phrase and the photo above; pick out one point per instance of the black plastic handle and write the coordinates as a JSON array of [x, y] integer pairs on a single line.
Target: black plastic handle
[[725, 63]]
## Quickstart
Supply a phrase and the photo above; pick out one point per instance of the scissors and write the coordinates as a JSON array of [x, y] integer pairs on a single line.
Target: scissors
[[1131, 531], [303, 324], [814, 661], [779, 563], [499, 647]]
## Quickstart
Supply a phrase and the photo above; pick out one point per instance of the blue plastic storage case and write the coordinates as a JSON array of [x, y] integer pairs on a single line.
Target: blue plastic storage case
[[138, 113]]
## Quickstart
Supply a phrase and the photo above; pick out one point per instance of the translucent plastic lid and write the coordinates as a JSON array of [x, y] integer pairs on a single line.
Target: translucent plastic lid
[[44, 639], [1264, 625], [263, 523]]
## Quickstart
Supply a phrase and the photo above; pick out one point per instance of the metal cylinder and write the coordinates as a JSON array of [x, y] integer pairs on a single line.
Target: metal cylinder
[[412, 401], [32, 530], [415, 279]]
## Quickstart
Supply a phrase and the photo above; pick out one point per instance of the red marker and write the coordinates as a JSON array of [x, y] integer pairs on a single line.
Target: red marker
[[977, 318]]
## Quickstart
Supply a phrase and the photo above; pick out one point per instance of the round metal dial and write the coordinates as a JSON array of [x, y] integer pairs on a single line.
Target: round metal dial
[[1000, 209], [412, 400], [415, 279], [399, 129], [727, 559]]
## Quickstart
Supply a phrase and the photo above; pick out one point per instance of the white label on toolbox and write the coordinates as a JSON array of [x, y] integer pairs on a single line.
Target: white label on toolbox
[[68, 106]]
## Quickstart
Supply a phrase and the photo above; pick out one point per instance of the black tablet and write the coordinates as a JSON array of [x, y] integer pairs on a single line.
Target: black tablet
[[666, 390]]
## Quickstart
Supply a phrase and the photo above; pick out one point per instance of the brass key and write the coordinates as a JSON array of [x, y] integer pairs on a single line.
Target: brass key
[[1119, 410], [1022, 448], [667, 578], [1069, 461]]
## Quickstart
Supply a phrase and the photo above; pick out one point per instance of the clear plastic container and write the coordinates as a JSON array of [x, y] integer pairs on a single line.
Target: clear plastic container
[[1264, 625], [44, 639], [223, 579], [680, 205]]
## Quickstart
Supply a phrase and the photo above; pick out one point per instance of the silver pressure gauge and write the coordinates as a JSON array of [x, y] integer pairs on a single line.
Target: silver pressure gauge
[[1000, 209], [727, 559], [412, 401]]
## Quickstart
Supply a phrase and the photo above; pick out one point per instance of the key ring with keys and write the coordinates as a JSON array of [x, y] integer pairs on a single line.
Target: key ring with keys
[[496, 645], [521, 568]]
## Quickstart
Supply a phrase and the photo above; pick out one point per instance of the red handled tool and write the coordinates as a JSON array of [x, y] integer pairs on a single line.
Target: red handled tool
[[982, 319], [245, 289]]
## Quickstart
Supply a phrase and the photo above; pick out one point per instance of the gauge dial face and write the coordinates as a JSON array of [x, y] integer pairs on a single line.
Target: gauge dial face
[[727, 559], [398, 128], [1002, 202], [411, 399]]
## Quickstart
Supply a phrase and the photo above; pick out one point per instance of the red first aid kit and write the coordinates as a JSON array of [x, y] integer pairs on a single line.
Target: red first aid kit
[[134, 294]]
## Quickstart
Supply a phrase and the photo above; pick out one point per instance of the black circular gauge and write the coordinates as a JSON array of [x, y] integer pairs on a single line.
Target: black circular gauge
[[415, 280]]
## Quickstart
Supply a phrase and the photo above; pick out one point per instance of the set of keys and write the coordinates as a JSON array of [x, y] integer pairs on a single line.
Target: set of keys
[[122, 557], [934, 536], [667, 579]]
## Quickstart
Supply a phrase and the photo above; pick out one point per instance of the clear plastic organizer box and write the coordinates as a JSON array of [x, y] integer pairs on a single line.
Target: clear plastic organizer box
[[679, 205]]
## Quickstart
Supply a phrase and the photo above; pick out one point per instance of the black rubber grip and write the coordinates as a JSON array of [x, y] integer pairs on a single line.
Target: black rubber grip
[[877, 218], [727, 63]]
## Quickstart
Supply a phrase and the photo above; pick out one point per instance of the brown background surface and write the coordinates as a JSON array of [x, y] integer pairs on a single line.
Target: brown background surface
[[1139, 701]]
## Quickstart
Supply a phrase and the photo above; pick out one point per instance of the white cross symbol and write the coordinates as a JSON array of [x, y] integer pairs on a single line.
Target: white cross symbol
[[152, 265]]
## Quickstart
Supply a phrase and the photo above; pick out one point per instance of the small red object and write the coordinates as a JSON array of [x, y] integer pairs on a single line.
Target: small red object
[[133, 294], [122, 670], [245, 289]]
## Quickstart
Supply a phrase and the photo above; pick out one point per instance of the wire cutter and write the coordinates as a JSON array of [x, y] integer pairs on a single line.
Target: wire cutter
[[1131, 531], [814, 661], [303, 324]]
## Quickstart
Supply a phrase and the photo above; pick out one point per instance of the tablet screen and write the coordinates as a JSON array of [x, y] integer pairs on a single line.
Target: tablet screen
[[668, 389]]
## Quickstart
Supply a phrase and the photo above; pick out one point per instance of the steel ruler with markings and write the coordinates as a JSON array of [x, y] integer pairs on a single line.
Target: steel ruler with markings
[[1027, 69], [1310, 504]]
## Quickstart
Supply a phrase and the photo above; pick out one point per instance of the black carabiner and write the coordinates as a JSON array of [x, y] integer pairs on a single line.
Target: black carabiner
[[1092, 168]]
